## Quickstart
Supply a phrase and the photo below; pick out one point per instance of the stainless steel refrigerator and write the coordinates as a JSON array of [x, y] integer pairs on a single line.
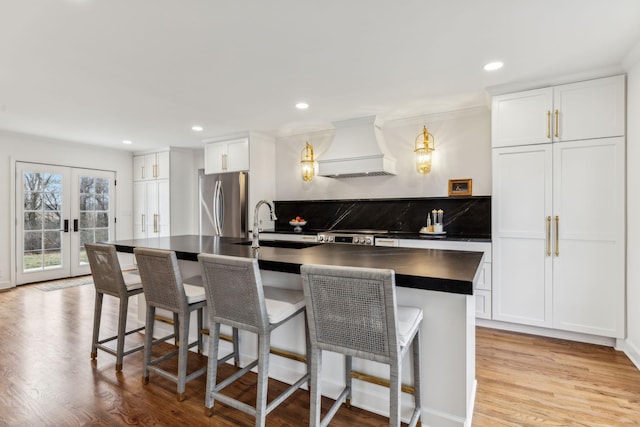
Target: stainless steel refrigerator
[[223, 204]]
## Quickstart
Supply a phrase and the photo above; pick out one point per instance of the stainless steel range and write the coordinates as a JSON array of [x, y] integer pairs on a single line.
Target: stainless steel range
[[350, 237]]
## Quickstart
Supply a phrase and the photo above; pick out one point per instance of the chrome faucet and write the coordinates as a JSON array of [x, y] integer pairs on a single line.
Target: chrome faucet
[[256, 232]]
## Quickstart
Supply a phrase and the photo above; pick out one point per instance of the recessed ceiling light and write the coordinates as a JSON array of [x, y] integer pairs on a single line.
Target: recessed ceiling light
[[302, 105], [492, 66], [126, 141], [197, 128]]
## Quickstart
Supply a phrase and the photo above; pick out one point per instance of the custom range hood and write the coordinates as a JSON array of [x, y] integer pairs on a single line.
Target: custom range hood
[[358, 149]]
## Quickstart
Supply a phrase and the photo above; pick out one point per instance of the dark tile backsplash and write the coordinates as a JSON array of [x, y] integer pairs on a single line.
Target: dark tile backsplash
[[463, 216]]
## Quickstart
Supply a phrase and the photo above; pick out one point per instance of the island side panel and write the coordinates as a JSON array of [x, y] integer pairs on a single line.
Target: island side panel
[[447, 350]]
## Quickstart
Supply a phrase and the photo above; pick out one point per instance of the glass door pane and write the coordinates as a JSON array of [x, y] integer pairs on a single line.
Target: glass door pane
[[94, 214], [41, 236]]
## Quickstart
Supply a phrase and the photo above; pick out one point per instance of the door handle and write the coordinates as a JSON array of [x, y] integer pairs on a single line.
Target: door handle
[[557, 232], [66, 226], [75, 225], [549, 236], [217, 208]]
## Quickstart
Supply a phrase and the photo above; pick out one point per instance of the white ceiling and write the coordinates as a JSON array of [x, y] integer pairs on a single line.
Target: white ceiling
[[100, 71]]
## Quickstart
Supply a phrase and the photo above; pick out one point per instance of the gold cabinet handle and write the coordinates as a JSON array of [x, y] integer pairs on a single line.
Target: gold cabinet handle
[[155, 171], [224, 162], [155, 223], [557, 124], [549, 236], [548, 124], [141, 172], [557, 238], [143, 221]]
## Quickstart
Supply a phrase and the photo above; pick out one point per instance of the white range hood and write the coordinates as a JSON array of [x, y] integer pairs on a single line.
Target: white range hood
[[358, 149]]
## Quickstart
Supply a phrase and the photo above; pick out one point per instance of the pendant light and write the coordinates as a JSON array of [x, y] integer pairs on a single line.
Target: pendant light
[[424, 151], [307, 161]]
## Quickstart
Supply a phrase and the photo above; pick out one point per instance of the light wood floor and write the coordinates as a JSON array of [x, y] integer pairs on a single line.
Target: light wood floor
[[48, 379]]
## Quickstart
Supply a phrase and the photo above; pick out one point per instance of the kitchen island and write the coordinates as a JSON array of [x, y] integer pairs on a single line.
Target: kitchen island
[[440, 282]]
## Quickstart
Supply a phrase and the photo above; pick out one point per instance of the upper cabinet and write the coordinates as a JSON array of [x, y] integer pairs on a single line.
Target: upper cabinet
[[577, 111], [226, 156], [151, 166]]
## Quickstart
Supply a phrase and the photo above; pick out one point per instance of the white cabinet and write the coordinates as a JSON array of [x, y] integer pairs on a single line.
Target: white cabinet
[[522, 118], [558, 216], [161, 199], [226, 156], [521, 223], [589, 232], [483, 288], [558, 236], [151, 166], [584, 110]]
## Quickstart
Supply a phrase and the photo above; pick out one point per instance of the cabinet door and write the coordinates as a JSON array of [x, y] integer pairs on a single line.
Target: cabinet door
[[522, 118], [150, 166], [163, 220], [214, 157], [138, 168], [238, 155], [139, 210], [589, 247], [162, 165], [521, 214], [589, 109], [151, 216]]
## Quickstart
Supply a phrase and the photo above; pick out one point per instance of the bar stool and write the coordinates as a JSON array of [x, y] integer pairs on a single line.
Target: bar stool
[[237, 298], [109, 279], [163, 288], [353, 311]]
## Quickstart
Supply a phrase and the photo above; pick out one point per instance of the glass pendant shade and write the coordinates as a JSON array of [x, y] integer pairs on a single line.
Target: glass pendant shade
[[424, 151], [307, 162]]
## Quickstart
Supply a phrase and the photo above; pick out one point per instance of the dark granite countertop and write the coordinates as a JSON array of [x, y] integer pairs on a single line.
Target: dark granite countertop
[[428, 269]]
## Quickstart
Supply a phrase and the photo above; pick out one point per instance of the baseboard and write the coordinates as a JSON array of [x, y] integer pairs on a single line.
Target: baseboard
[[631, 350], [547, 332], [5, 286]]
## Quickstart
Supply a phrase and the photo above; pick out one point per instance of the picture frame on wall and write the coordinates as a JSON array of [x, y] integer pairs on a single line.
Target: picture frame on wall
[[460, 187]]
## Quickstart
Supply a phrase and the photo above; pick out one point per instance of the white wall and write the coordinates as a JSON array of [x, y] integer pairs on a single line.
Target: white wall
[[633, 212], [17, 147], [463, 150]]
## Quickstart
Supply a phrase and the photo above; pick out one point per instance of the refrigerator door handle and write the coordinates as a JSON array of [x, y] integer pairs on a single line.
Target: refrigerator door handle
[[217, 208], [221, 207]]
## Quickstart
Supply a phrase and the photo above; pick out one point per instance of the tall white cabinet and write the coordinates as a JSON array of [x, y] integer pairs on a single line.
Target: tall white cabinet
[[163, 186], [559, 207]]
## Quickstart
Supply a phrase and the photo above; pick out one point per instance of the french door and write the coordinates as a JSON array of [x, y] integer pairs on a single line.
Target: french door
[[58, 210]]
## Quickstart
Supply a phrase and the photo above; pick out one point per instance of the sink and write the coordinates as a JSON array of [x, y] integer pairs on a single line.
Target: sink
[[281, 244]]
